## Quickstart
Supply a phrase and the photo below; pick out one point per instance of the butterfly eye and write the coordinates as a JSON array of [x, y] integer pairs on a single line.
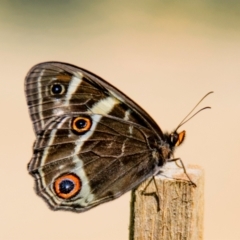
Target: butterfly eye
[[67, 186], [57, 89], [174, 138], [81, 125]]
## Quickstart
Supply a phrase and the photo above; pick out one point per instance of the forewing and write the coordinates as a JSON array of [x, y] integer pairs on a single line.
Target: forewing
[[82, 91]]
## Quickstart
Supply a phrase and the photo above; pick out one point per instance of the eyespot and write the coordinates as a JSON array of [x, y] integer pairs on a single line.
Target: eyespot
[[57, 89], [67, 186], [81, 125]]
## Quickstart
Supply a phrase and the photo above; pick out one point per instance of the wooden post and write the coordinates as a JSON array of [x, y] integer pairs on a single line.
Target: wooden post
[[181, 206]]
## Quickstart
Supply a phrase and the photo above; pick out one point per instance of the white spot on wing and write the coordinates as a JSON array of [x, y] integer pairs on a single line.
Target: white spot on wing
[[127, 114], [104, 106], [131, 129], [75, 81], [123, 147], [58, 112]]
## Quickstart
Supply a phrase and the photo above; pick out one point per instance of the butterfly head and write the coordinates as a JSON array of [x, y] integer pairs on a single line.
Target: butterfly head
[[172, 140], [175, 139]]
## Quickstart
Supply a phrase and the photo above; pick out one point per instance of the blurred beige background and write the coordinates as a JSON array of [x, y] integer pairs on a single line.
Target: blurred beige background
[[164, 54]]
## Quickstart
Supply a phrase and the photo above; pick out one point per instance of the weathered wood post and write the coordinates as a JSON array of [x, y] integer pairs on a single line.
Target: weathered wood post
[[181, 206]]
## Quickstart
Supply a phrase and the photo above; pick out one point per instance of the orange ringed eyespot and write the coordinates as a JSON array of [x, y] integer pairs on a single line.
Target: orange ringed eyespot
[[81, 125], [181, 137], [67, 186]]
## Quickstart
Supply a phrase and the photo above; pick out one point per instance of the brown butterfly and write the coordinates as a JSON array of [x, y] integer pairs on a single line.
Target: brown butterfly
[[93, 143]]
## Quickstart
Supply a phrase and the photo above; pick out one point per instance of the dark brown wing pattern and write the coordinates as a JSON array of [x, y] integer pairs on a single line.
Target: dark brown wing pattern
[[112, 158], [82, 90], [93, 143]]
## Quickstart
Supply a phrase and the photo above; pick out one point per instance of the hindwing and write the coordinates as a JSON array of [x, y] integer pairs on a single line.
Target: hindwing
[[111, 158]]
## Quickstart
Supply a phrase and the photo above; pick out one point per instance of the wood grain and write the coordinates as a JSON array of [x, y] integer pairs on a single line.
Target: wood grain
[[181, 206]]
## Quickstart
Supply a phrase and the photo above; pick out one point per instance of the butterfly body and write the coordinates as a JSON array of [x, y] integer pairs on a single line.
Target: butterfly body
[[93, 143]]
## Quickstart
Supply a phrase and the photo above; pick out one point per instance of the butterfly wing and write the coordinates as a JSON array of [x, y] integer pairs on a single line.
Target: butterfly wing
[[111, 158], [81, 91], [113, 153]]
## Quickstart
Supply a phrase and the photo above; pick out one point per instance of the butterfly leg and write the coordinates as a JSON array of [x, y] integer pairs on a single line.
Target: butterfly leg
[[154, 194], [184, 169]]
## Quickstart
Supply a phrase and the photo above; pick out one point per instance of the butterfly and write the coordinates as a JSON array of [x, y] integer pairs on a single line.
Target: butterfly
[[93, 143]]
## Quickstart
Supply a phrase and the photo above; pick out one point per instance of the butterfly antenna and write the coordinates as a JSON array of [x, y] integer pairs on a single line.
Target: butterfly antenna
[[186, 119]]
